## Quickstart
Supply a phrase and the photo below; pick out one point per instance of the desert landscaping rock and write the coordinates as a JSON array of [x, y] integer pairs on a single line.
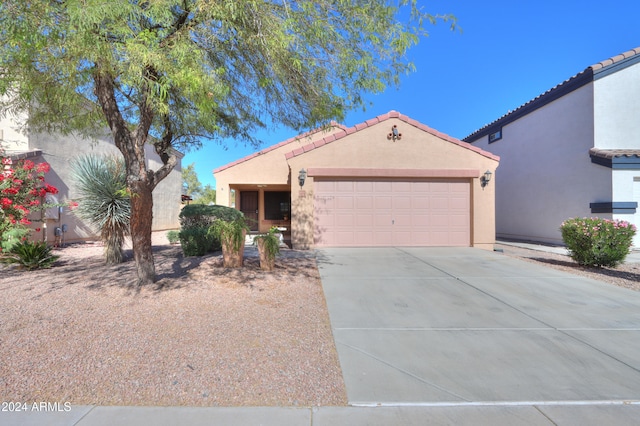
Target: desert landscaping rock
[[203, 335]]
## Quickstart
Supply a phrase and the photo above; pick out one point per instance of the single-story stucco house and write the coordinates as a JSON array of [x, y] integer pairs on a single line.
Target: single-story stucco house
[[390, 181], [59, 151], [573, 151]]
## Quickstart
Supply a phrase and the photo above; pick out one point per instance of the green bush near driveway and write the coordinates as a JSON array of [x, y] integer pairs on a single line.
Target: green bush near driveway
[[597, 242]]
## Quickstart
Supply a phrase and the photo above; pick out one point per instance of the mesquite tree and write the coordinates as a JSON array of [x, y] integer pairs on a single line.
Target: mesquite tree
[[179, 73]]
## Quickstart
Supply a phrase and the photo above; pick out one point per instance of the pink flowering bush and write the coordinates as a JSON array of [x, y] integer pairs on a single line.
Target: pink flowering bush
[[597, 242], [22, 189]]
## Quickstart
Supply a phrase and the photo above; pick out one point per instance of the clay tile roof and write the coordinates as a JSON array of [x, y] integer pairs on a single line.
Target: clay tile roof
[[613, 153], [615, 59]]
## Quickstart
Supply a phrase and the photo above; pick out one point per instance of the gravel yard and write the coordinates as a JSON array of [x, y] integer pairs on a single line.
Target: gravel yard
[[202, 336]]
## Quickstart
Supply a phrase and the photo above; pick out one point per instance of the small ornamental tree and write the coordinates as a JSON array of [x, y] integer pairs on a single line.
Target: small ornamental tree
[[22, 191], [597, 242]]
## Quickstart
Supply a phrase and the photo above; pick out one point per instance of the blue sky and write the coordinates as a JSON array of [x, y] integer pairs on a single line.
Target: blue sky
[[507, 53]]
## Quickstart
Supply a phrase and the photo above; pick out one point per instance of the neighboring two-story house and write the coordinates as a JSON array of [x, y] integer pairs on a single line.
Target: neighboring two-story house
[[573, 151], [59, 151]]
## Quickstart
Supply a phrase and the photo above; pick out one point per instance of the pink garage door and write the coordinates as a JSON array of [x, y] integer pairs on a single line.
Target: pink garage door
[[364, 213]]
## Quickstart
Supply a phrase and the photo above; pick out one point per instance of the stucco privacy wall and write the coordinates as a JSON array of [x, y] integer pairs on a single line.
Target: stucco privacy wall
[[59, 151], [546, 175], [365, 150]]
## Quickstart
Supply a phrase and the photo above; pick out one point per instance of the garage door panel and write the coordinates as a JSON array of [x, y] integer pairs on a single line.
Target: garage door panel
[[364, 186], [382, 202], [387, 213], [400, 187], [364, 220], [380, 187], [364, 203], [383, 238], [344, 220], [402, 202], [400, 220], [344, 186]]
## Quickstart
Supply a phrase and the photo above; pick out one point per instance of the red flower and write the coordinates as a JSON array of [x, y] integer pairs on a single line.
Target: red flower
[[18, 181], [50, 189], [7, 161], [37, 229], [43, 168], [28, 165], [12, 191], [25, 221], [43, 192], [6, 202]]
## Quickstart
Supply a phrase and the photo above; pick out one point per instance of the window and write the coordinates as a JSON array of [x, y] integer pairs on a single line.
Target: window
[[277, 205], [496, 136]]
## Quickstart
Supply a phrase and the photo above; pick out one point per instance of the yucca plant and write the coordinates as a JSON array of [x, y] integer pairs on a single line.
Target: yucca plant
[[30, 255], [104, 201]]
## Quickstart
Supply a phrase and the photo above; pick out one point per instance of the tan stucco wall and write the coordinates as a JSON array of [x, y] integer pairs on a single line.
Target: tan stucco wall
[[267, 167], [417, 154]]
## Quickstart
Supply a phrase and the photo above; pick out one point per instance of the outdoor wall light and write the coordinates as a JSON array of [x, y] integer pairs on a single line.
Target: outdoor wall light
[[302, 176], [486, 178], [395, 134]]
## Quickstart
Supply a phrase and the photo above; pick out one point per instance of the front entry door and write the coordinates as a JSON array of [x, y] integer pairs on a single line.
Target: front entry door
[[249, 206]]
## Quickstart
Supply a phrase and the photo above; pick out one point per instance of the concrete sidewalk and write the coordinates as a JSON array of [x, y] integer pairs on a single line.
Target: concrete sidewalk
[[445, 336], [546, 414]]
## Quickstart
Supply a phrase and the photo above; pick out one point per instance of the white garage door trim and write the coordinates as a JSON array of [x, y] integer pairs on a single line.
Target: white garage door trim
[[370, 212]]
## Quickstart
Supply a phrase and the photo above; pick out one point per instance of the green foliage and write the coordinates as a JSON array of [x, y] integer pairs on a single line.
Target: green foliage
[[190, 183], [271, 242], [203, 215], [173, 236], [232, 232], [214, 69], [597, 242], [11, 237], [195, 221], [197, 241], [30, 255], [104, 201], [208, 196]]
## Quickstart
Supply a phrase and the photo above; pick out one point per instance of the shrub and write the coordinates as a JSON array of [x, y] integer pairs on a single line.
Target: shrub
[[197, 241], [173, 236], [597, 242], [30, 255], [195, 221], [195, 215], [22, 191]]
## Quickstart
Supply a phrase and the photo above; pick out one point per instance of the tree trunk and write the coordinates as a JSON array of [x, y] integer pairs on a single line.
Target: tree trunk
[[141, 219]]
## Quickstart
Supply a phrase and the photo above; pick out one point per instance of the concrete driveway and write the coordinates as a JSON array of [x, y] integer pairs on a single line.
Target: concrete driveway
[[463, 326]]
